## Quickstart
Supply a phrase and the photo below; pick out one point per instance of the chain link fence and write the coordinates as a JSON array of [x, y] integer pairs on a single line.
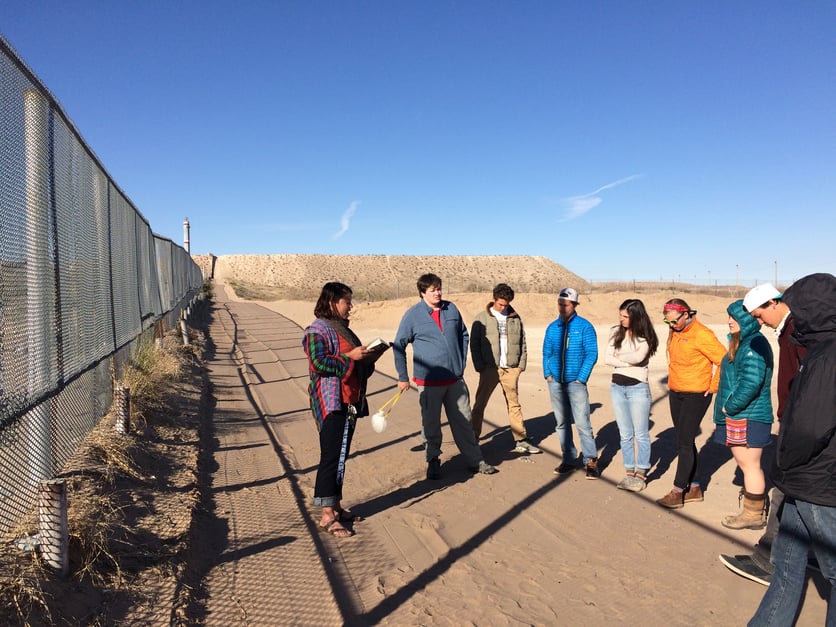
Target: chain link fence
[[82, 278]]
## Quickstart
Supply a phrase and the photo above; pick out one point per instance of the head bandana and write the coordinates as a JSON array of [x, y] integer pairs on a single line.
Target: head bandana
[[674, 307]]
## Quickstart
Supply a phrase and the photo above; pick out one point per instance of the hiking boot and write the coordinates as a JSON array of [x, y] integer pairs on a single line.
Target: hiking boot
[[526, 447], [592, 468], [566, 467], [672, 500], [434, 469], [752, 516], [694, 494], [745, 566], [484, 468]]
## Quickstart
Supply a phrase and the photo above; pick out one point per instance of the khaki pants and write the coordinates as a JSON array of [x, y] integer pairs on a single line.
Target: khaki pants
[[507, 378]]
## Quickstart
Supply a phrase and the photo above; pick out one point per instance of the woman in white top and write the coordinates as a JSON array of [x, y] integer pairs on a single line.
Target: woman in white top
[[631, 345]]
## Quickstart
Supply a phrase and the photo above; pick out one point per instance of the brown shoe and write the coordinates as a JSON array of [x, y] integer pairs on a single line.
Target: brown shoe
[[592, 468], [694, 494], [672, 500]]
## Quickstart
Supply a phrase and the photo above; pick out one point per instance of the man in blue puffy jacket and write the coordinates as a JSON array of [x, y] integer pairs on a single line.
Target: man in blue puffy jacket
[[570, 350]]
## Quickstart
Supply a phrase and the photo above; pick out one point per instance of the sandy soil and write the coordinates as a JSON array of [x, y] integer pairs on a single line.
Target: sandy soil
[[614, 555]]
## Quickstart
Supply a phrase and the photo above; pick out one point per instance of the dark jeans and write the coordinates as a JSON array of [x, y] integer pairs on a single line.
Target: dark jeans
[[334, 444], [687, 411]]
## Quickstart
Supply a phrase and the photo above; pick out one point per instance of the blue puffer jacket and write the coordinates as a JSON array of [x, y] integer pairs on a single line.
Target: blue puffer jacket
[[570, 350], [744, 390]]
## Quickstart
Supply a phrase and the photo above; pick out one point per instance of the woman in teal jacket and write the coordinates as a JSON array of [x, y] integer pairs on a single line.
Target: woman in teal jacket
[[743, 411]]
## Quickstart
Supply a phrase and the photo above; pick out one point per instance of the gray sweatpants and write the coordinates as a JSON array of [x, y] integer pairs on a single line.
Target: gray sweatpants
[[456, 402]]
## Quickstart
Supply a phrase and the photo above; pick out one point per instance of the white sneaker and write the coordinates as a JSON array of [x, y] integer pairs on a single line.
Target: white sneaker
[[524, 446]]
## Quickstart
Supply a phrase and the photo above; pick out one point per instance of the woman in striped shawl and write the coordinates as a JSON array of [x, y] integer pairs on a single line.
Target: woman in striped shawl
[[339, 367]]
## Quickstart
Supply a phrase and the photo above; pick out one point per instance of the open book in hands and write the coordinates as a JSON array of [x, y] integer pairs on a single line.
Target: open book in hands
[[378, 345]]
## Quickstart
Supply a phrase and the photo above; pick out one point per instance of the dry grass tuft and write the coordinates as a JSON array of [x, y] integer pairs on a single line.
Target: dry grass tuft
[[22, 596], [149, 376], [95, 522]]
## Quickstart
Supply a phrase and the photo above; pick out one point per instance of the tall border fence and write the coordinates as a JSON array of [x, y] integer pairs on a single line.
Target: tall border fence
[[82, 279]]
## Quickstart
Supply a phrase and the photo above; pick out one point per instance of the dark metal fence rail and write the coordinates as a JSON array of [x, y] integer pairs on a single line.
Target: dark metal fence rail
[[82, 278]]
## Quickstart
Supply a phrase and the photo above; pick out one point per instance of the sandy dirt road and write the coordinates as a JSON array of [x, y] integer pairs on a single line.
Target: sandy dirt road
[[522, 547]]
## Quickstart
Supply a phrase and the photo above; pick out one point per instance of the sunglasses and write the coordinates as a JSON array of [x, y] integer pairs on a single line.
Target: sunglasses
[[671, 322]]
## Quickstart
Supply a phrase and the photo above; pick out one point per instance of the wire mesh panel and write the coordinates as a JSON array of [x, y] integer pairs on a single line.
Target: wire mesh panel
[[149, 292], [126, 317], [80, 278], [164, 271], [75, 411], [84, 282], [25, 459]]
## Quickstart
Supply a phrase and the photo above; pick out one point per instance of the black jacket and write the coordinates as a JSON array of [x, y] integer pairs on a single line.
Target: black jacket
[[805, 459]]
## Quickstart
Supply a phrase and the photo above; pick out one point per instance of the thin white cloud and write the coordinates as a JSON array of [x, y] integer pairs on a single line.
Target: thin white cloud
[[576, 206], [346, 218]]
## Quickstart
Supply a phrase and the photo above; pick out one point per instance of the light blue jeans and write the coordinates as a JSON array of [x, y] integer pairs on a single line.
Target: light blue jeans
[[570, 403], [803, 526], [631, 406]]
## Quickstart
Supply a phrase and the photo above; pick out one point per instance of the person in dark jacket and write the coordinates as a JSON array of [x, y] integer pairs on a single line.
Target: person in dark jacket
[[743, 412], [805, 458]]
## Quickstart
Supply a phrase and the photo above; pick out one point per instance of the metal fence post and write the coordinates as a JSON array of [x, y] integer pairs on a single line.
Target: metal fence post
[[185, 331], [122, 401], [52, 523]]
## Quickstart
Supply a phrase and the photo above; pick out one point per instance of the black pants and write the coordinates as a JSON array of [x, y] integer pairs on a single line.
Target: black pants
[[334, 445], [687, 411]]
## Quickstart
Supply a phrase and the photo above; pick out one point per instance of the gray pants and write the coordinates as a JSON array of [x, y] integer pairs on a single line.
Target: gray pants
[[763, 549], [456, 402]]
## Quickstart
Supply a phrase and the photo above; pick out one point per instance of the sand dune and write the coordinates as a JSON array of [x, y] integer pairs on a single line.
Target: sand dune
[[383, 277]]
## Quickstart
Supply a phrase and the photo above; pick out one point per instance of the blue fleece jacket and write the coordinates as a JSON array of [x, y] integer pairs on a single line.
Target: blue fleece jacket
[[570, 350], [437, 354]]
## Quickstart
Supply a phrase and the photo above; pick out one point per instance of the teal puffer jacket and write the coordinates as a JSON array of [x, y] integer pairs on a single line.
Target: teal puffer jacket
[[744, 390]]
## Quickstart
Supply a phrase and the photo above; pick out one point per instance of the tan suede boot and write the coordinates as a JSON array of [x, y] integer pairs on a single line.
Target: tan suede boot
[[753, 514], [693, 494]]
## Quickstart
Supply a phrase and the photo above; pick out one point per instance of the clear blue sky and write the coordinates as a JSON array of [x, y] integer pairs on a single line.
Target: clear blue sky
[[623, 140]]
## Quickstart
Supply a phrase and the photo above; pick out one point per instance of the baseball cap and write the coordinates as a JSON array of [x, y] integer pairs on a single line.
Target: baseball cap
[[758, 295], [568, 293]]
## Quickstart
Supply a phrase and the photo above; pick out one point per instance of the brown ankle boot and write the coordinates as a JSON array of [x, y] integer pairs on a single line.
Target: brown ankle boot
[[753, 514], [694, 494], [672, 500], [592, 468]]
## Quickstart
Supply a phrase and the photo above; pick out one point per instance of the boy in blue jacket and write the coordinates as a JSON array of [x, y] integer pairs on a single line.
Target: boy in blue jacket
[[570, 350]]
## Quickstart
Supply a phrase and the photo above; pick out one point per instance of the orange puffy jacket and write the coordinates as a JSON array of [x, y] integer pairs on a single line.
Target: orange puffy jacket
[[694, 356]]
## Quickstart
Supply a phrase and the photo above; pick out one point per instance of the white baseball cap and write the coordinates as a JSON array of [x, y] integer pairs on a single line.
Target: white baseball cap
[[568, 293], [760, 294]]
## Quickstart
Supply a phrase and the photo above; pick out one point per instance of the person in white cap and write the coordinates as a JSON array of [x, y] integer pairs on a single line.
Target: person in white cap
[[570, 350], [765, 303]]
